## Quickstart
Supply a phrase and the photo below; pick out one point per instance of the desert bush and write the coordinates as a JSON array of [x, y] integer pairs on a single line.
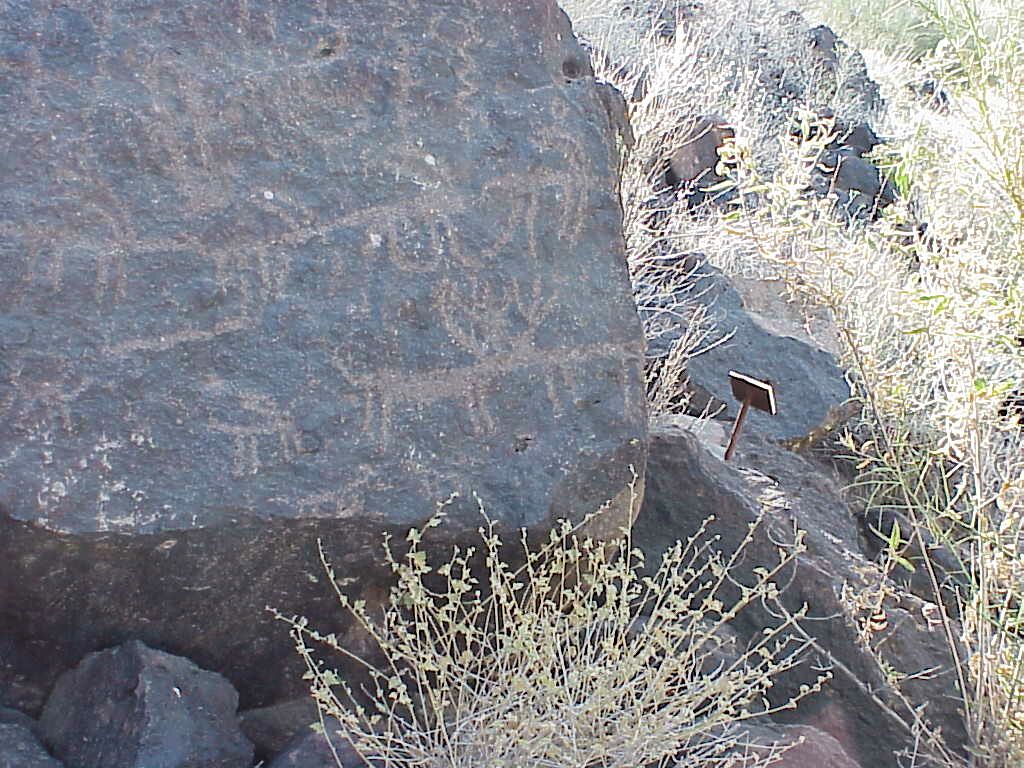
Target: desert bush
[[939, 446], [929, 323], [928, 330], [578, 658]]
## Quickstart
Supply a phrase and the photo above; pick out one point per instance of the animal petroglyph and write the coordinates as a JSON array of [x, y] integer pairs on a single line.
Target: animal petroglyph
[[294, 255], [292, 272]]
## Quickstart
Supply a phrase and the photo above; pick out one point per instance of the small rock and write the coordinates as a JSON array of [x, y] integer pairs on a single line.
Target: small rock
[[665, 25], [272, 728], [859, 139], [1012, 406], [933, 95], [860, 190], [692, 166], [823, 43], [135, 707], [311, 750]]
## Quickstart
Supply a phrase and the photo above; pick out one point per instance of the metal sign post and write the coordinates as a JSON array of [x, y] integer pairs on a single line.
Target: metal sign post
[[750, 392]]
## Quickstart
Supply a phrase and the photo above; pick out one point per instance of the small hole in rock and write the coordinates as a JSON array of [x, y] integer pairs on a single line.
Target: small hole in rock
[[571, 69]]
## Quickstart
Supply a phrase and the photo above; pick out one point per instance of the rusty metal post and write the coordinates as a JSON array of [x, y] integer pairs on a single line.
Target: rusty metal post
[[736, 428], [750, 392]]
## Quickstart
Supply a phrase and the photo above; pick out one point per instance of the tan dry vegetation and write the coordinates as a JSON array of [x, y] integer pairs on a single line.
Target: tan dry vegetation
[[578, 658], [929, 327]]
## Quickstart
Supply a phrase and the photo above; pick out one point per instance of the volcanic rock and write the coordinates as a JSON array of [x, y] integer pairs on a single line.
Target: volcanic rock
[[687, 482], [276, 272], [807, 380], [134, 707], [19, 748]]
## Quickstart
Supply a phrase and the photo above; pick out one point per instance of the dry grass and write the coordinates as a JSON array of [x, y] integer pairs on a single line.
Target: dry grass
[[930, 327], [574, 660]]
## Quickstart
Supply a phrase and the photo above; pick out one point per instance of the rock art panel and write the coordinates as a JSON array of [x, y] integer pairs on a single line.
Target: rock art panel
[[280, 270]]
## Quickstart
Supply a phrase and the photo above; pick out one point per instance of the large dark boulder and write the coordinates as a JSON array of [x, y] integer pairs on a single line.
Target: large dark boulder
[[688, 481], [134, 707], [285, 270]]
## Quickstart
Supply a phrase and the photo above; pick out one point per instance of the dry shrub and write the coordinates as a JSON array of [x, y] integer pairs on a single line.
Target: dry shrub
[[930, 325], [576, 659]]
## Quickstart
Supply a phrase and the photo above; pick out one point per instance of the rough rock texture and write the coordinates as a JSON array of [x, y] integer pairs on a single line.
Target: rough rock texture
[[855, 183], [311, 750], [20, 685], [15, 717], [270, 729], [802, 745], [282, 271], [134, 707], [807, 380], [19, 748], [686, 482]]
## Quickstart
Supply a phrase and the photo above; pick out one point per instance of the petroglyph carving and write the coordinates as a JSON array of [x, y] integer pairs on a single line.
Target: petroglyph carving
[[267, 435], [284, 272], [496, 317], [408, 238]]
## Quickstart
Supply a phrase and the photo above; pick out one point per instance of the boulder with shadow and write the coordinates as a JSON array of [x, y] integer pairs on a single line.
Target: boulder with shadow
[[136, 707], [688, 481], [283, 273]]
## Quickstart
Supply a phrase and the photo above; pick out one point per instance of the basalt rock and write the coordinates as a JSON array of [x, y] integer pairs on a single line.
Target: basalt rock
[[808, 382], [800, 746], [19, 748], [859, 188], [134, 707], [271, 729], [932, 94], [314, 750], [823, 43], [693, 166], [687, 481], [859, 138], [282, 272]]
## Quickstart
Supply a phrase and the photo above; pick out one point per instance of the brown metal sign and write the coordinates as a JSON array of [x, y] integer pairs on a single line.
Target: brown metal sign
[[750, 392]]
